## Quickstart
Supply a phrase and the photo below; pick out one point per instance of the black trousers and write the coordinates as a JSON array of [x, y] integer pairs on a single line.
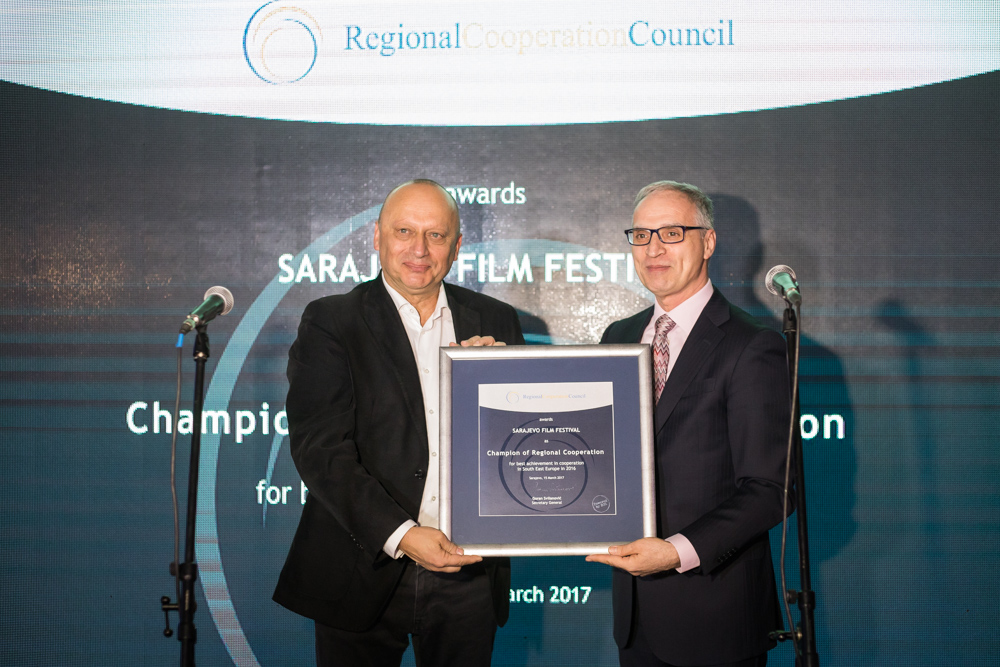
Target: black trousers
[[450, 617], [639, 654]]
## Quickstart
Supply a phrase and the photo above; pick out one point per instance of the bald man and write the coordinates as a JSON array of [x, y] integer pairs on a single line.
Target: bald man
[[368, 563]]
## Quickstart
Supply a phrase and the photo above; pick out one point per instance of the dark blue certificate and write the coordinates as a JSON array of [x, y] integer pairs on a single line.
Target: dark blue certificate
[[546, 450], [557, 453]]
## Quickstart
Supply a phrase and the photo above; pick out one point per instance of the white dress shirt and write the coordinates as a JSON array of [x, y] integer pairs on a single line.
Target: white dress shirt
[[684, 316], [426, 341]]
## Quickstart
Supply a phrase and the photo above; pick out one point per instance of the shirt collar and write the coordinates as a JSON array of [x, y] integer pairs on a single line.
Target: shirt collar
[[400, 301], [688, 312]]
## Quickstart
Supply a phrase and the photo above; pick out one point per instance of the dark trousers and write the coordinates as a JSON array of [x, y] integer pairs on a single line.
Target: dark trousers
[[450, 617], [637, 653]]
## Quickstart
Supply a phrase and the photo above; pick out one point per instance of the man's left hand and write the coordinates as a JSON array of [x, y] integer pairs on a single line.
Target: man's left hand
[[479, 341], [646, 556]]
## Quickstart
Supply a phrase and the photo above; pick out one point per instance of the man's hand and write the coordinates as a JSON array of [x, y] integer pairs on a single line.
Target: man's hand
[[479, 341], [429, 548], [646, 556]]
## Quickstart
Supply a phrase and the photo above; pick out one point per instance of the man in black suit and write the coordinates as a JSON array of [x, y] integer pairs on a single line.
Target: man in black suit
[[368, 563], [703, 591]]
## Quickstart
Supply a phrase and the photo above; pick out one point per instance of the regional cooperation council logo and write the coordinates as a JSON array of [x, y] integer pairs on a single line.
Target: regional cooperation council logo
[[281, 42]]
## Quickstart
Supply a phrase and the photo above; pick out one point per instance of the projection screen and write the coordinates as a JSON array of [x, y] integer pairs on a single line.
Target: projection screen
[[153, 149]]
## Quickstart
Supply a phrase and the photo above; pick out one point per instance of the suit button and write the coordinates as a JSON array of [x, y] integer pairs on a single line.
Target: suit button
[[419, 474]]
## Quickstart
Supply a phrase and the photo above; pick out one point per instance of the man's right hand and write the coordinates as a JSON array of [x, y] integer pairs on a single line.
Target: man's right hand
[[429, 548]]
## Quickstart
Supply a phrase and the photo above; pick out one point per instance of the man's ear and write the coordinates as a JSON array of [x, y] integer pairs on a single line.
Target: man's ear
[[709, 243]]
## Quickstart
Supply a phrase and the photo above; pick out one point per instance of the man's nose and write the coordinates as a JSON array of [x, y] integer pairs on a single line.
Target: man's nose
[[420, 245], [655, 246]]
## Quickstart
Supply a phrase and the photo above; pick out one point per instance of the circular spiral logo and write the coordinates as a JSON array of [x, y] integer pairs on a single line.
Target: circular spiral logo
[[281, 42]]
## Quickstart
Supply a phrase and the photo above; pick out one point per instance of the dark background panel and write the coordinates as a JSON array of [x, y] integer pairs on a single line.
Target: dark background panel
[[116, 218]]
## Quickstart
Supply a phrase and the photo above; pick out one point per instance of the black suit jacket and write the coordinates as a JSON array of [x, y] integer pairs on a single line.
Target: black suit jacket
[[359, 441], [721, 432]]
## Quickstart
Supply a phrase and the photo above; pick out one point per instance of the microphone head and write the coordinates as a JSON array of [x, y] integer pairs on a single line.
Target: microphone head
[[769, 280], [227, 297]]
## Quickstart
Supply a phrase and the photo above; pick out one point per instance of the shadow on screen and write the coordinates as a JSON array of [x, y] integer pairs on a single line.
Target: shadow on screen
[[534, 328], [895, 316], [829, 452]]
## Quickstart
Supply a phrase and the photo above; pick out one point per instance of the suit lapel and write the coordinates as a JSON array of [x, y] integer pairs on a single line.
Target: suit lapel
[[467, 321], [702, 340], [635, 326], [383, 321]]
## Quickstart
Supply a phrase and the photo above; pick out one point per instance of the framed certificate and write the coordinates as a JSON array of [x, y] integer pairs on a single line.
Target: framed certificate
[[546, 450]]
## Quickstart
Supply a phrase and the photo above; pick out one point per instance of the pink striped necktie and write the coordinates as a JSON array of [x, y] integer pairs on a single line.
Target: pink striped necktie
[[661, 353]]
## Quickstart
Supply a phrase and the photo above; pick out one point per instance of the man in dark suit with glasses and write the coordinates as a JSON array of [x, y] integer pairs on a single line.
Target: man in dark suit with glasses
[[703, 591]]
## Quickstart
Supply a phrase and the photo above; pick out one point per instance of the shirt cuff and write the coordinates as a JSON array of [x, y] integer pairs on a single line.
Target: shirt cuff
[[391, 547], [686, 552]]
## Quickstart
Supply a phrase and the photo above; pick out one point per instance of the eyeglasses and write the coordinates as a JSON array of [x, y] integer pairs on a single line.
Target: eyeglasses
[[672, 234]]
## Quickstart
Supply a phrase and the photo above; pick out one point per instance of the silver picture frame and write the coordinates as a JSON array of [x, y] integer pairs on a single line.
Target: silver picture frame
[[468, 374]]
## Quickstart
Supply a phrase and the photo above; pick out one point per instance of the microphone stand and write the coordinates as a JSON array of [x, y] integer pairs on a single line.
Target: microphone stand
[[804, 635], [187, 634]]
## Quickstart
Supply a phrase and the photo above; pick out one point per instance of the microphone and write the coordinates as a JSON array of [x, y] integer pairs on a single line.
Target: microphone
[[782, 278], [218, 301]]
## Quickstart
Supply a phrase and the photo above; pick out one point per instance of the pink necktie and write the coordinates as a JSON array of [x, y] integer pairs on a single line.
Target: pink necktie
[[661, 353]]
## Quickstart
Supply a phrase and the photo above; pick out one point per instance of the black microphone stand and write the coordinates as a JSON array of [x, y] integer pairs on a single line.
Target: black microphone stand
[[187, 634], [802, 636]]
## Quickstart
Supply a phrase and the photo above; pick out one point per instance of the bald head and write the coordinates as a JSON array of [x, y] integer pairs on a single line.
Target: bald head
[[428, 185]]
